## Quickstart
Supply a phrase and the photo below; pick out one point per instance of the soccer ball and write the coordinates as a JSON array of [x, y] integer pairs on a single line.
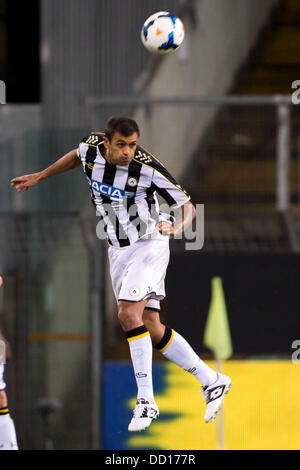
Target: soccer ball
[[162, 33]]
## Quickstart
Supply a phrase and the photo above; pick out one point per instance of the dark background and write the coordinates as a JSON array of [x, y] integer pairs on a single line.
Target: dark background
[[261, 292], [19, 56]]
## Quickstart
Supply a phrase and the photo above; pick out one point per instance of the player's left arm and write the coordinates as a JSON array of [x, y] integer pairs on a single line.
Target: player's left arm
[[175, 196], [186, 217]]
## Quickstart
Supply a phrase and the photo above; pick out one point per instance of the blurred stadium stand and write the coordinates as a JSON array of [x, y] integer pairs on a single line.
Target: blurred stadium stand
[[236, 175]]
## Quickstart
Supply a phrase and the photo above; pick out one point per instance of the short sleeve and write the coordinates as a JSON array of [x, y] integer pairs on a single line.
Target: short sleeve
[[168, 188], [82, 148]]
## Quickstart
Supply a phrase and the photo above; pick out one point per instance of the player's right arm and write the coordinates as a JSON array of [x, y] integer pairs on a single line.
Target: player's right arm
[[66, 163]]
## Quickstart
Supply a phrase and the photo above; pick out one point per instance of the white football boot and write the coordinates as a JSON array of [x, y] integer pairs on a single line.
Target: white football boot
[[143, 414], [214, 394]]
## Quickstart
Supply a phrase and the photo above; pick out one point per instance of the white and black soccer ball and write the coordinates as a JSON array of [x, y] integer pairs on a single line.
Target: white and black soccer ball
[[162, 33]]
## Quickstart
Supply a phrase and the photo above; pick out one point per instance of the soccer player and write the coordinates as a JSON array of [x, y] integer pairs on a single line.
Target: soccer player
[[125, 180], [8, 438]]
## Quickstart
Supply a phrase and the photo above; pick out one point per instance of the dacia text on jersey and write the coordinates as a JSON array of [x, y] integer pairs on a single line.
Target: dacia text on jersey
[[109, 191]]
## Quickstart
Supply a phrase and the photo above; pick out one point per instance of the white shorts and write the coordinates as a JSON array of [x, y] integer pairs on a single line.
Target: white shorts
[[138, 271], [2, 383]]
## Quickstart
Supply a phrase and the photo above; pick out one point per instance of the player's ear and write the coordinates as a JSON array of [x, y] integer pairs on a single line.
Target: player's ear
[[106, 142]]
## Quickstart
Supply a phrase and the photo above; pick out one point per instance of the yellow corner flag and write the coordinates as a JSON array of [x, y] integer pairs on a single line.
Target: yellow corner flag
[[217, 333]]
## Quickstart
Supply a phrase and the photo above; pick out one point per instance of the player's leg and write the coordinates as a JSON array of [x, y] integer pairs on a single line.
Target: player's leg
[[175, 348], [8, 439], [3, 400], [130, 316], [151, 319], [136, 272]]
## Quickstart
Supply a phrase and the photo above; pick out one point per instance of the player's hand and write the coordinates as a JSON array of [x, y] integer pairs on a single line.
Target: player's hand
[[25, 182], [166, 229]]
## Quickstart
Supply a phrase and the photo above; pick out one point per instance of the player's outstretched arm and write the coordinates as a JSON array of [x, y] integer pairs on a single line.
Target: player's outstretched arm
[[66, 163]]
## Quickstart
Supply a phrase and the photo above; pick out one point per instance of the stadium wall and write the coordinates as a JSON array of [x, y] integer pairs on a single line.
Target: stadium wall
[[219, 37]]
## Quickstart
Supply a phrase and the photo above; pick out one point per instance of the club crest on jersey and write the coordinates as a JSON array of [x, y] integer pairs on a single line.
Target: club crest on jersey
[[110, 191], [134, 291], [132, 182]]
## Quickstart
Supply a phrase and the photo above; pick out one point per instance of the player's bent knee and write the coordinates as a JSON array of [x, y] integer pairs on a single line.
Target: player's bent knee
[[128, 317], [3, 399]]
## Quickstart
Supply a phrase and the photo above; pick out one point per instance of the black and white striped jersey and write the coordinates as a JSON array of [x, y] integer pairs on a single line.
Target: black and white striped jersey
[[126, 196]]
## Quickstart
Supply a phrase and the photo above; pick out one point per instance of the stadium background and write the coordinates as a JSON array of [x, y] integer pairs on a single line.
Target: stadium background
[[70, 385]]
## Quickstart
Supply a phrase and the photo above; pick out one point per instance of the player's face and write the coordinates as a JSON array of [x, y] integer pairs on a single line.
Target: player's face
[[120, 150]]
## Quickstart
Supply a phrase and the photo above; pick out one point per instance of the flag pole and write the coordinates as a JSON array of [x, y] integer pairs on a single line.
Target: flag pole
[[217, 338]]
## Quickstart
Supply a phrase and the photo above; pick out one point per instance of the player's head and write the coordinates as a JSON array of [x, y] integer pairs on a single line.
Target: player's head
[[120, 141], [122, 125]]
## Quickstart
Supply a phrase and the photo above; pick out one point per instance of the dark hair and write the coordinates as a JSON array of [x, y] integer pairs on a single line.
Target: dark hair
[[122, 124]]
